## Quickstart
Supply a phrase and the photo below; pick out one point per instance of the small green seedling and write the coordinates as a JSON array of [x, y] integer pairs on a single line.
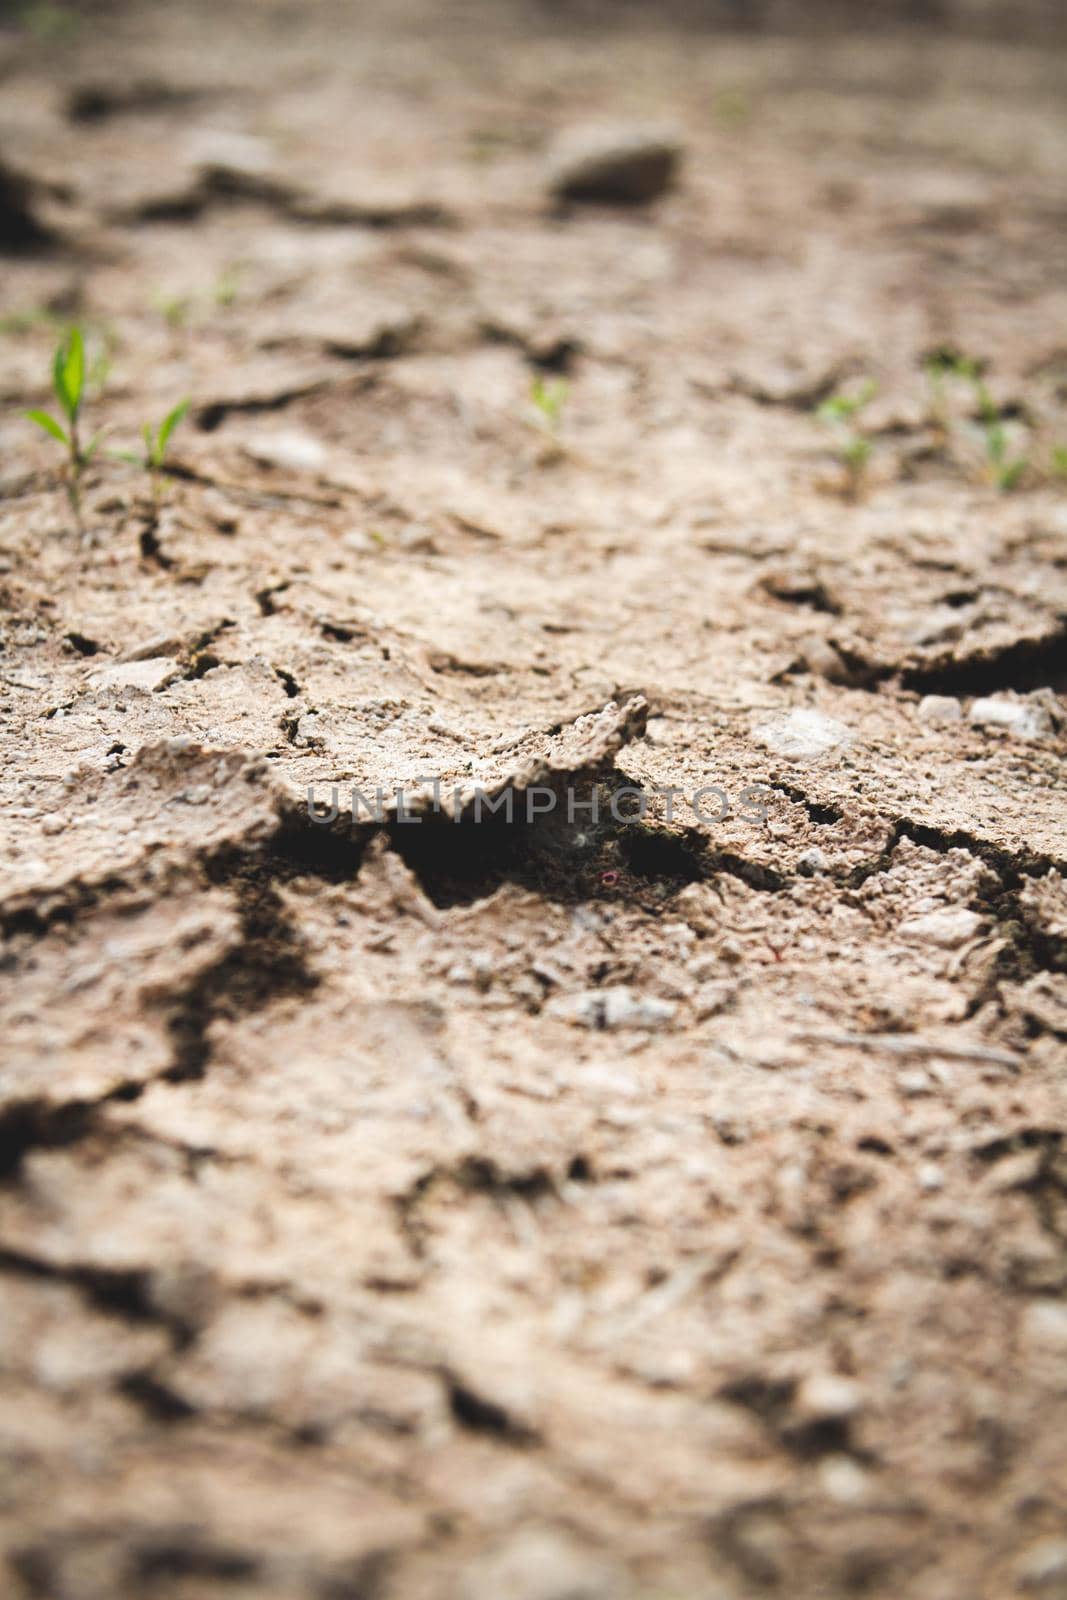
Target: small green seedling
[[548, 400], [1006, 472], [1059, 461], [173, 308], [940, 368], [227, 286], [154, 455], [841, 412], [68, 381]]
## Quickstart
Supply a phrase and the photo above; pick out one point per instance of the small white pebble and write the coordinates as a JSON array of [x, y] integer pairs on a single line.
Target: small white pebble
[[940, 708], [828, 1395], [802, 734], [1044, 1326], [813, 861], [843, 1480], [1019, 717], [1044, 1567], [948, 926]]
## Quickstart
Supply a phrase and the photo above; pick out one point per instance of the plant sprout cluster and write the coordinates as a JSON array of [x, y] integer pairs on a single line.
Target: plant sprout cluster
[[1003, 467], [548, 400], [841, 412], [1004, 470], [69, 385]]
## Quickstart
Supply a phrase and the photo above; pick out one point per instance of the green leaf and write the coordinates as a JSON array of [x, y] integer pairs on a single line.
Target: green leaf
[[49, 424], [59, 376], [549, 399], [1008, 477], [127, 456], [840, 407], [996, 443], [68, 372], [1059, 460], [167, 427], [988, 409]]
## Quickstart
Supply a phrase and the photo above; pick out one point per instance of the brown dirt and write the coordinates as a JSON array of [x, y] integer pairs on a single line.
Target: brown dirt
[[643, 1212]]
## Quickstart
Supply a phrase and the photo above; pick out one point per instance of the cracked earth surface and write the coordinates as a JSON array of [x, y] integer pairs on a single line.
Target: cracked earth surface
[[647, 1210]]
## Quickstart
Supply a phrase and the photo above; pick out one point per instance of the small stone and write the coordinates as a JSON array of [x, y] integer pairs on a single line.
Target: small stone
[[1044, 1326], [949, 200], [939, 709], [712, 998], [948, 926], [624, 1009], [413, 536], [1016, 715], [844, 1480], [359, 542], [703, 966], [613, 165], [309, 730], [54, 823], [931, 1178], [826, 1396], [542, 1564], [802, 734], [160, 644], [1044, 1567], [148, 675], [483, 968], [823, 660], [290, 449], [616, 1007], [811, 863], [223, 153]]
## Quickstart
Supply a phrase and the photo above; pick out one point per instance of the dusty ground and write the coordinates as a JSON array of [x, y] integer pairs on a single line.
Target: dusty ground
[[647, 1212]]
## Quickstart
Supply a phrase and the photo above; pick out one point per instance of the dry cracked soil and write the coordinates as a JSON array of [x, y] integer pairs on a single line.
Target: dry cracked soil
[[669, 1205]]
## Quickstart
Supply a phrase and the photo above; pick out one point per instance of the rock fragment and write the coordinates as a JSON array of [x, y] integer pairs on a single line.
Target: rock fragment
[[802, 734], [812, 862], [1017, 715], [289, 448], [625, 166], [947, 926], [1044, 1568], [616, 1007], [1044, 1327], [149, 675], [940, 708], [826, 1395]]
